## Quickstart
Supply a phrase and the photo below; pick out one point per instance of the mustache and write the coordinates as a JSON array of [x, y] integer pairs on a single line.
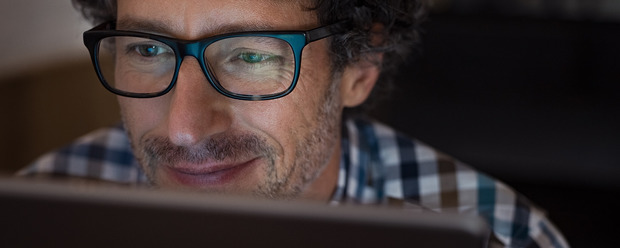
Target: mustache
[[216, 149]]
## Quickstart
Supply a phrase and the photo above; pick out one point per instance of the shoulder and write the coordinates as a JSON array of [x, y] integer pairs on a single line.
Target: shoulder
[[104, 154], [405, 167], [393, 168]]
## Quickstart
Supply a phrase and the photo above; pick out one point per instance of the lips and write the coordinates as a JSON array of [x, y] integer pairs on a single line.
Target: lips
[[208, 174]]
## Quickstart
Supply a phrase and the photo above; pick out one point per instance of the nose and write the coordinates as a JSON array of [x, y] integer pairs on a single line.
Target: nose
[[197, 110]]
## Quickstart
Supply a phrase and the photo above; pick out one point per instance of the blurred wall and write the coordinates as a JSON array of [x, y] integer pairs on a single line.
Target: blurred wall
[[35, 33], [49, 94]]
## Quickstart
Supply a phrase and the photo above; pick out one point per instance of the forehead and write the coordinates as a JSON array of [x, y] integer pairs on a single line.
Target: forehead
[[191, 19]]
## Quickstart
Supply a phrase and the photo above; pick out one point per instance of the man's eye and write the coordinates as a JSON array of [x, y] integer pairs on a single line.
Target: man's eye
[[149, 50], [254, 58]]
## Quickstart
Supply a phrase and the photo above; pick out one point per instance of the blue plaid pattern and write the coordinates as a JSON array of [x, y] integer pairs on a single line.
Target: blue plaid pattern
[[104, 154], [379, 166]]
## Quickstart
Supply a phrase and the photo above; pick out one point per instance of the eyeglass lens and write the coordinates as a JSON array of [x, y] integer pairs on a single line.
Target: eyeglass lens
[[249, 65]]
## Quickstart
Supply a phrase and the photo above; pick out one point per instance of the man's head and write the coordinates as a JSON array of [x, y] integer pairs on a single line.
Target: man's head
[[196, 137]]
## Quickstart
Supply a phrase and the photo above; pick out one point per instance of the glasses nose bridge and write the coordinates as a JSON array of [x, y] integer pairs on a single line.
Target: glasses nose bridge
[[193, 49]]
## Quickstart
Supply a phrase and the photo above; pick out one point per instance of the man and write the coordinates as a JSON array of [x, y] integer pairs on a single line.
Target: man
[[248, 97]]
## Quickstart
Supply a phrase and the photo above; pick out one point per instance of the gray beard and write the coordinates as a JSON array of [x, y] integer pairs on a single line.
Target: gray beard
[[313, 152]]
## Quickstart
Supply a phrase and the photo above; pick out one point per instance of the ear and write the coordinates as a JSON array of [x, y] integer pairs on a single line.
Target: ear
[[359, 77], [358, 80]]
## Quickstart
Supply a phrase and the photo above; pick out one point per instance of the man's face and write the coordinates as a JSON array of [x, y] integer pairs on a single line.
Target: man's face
[[194, 137]]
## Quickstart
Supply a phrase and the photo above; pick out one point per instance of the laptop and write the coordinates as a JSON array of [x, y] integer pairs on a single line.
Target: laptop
[[51, 214]]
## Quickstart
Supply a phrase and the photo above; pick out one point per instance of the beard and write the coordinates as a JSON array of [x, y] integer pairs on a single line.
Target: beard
[[312, 152]]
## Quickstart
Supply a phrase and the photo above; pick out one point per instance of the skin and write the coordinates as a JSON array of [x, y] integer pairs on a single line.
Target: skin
[[195, 138]]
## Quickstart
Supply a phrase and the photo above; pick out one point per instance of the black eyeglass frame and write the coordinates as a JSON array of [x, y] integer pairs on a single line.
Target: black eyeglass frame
[[182, 48]]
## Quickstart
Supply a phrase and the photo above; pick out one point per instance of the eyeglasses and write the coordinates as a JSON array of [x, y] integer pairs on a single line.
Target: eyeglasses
[[260, 65]]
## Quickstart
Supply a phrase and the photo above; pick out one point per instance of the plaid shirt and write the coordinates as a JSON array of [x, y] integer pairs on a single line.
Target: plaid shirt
[[378, 166]]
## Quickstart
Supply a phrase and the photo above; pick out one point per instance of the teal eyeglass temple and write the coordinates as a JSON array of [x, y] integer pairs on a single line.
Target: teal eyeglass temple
[[296, 39]]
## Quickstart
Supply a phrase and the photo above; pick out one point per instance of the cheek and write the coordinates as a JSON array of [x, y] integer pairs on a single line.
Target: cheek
[[277, 120], [142, 115]]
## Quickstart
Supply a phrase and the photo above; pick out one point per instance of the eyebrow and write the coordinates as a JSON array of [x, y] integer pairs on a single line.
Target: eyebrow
[[164, 28]]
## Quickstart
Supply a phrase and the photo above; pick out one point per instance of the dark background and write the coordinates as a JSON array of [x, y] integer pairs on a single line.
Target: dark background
[[531, 98]]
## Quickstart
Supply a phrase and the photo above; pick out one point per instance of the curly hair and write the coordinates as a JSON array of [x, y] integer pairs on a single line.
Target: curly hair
[[400, 20]]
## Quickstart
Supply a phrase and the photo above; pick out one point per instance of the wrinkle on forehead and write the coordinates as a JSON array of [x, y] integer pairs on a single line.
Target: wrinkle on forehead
[[192, 19]]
